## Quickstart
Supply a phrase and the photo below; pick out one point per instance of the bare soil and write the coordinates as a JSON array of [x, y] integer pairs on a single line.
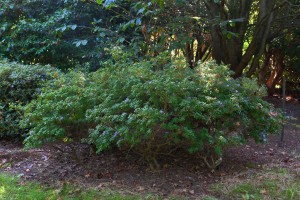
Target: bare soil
[[183, 176]]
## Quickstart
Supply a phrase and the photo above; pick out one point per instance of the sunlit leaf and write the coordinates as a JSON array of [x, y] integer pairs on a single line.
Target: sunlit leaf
[[73, 27], [84, 42], [64, 28], [138, 21], [121, 40], [109, 3], [141, 10]]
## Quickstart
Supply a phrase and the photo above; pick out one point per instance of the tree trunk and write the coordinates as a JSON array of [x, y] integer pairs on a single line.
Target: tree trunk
[[262, 75], [277, 68], [229, 50], [194, 53]]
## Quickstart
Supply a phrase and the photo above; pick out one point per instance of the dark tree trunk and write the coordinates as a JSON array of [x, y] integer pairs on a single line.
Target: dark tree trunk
[[229, 50], [194, 53], [277, 68]]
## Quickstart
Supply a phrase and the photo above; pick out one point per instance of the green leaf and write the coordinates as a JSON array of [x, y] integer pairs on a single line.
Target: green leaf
[[138, 21], [64, 28], [109, 3], [102, 34], [121, 40], [78, 43], [131, 23], [84, 42], [141, 10], [159, 2], [73, 27]]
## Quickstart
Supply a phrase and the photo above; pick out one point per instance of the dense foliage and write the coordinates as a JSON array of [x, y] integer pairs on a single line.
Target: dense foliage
[[153, 110], [19, 84], [240, 34], [59, 111], [60, 33]]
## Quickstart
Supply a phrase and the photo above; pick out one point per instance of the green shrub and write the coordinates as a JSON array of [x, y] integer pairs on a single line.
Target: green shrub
[[155, 111], [59, 111], [19, 84]]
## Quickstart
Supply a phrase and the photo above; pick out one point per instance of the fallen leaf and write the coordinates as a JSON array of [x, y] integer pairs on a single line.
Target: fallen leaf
[[45, 158], [263, 191], [141, 188], [260, 177]]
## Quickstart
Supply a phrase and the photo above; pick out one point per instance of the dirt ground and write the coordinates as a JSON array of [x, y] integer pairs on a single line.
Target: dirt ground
[[184, 177]]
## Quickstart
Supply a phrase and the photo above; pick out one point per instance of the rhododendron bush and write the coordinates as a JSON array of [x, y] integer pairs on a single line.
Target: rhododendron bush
[[157, 110]]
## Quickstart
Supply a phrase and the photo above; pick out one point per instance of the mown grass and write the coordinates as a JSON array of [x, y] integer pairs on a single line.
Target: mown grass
[[11, 188], [269, 184]]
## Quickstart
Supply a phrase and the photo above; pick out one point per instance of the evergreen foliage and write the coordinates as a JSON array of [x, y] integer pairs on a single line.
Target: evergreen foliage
[[153, 110], [19, 84]]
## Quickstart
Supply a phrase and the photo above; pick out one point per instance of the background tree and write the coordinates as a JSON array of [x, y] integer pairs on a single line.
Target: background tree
[[59, 32], [281, 57], [239, 33], [242, 44]]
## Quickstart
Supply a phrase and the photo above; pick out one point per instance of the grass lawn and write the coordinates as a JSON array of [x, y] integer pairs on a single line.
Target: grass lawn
[[273, 183], [12, 188]]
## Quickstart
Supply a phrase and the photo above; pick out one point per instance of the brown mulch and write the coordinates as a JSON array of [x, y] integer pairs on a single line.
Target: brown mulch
[[183, 176]]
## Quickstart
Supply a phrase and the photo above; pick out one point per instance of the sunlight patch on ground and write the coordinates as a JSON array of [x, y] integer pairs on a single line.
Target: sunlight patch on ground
[[2, 190]]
